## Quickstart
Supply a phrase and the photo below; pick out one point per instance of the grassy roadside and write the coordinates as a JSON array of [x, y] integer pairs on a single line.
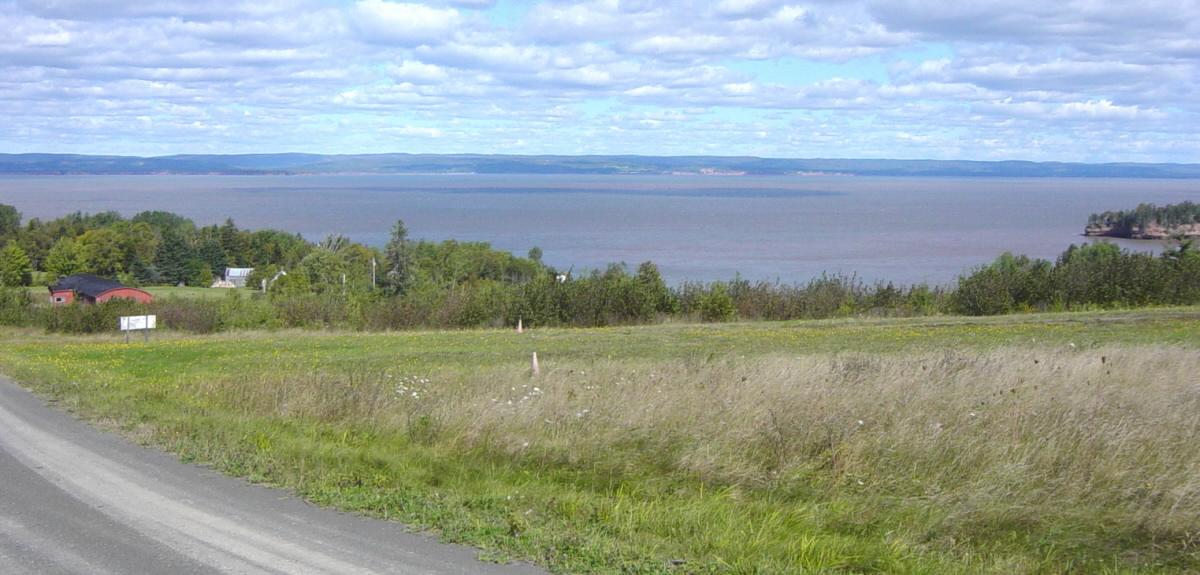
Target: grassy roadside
[[1020, 444]]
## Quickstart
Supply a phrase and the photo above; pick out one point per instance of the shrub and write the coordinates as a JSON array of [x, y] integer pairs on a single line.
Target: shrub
[[89, 318], [983, 292], [197, 316], [716, 305], [311, 310], [16, 307]]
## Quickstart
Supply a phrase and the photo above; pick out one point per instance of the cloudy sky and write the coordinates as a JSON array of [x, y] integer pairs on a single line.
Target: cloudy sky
[[1074, 80]]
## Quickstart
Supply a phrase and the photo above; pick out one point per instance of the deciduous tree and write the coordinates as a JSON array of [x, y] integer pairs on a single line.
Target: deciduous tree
[[103, 252], [64, 259], [10, 221], [15, 269]]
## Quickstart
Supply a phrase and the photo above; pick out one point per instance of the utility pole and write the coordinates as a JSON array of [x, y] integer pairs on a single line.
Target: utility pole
[[372, 272]]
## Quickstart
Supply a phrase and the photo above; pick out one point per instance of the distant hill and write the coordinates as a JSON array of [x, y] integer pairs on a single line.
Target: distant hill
[[505, 164]]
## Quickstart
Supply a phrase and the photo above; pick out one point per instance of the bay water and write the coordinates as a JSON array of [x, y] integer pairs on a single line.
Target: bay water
[[788, 229]]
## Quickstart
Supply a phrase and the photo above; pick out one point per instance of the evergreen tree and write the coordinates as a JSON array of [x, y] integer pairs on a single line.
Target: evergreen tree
[[145, 274], [233, 244], [15, 269], [172, 258], [211, 253], [398, 255]]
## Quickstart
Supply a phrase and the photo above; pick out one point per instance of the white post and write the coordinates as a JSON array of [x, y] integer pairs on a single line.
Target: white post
[[520, 327], [536, 370]]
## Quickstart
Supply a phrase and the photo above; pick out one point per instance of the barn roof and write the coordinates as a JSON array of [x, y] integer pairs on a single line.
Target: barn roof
[[85, 284]]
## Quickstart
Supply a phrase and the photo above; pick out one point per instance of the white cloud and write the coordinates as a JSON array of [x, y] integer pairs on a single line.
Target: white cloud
[[1086, 110], [739, 89], [474, 4], [57, 38], [746, 8], [669, 44], [414, 71], [403, 23], [646, 91], [986, 77]]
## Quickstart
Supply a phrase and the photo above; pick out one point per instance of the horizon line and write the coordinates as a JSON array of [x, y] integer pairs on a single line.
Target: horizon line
[[597, 155]]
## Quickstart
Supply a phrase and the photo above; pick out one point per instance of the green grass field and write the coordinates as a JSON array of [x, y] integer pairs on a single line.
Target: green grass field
[[186, 292], [1055, 443]]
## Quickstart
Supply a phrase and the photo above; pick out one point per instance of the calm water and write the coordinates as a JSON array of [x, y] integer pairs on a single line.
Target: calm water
[[785, 228]]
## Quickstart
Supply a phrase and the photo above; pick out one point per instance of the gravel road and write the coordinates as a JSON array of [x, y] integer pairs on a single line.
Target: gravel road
[[74, 499]]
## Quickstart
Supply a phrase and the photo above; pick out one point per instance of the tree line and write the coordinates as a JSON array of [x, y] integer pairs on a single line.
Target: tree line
[[414, 283], [155, 248]]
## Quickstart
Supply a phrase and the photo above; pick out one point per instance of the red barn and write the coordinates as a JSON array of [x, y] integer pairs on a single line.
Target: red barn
[[88, 288]]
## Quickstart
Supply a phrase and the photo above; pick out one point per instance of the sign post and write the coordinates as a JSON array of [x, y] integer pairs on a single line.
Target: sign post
[[142, 323]]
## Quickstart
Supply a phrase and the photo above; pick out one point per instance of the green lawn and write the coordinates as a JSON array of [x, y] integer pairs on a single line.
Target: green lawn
[[745, 448], [186, 292]]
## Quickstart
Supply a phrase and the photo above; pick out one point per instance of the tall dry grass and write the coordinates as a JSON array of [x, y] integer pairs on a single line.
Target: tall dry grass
[[989, 439]]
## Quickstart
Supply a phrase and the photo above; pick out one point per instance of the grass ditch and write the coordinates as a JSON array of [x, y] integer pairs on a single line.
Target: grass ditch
[[1027, 444]]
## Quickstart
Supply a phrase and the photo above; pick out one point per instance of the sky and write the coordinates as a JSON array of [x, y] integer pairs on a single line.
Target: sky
[[1043, 80]]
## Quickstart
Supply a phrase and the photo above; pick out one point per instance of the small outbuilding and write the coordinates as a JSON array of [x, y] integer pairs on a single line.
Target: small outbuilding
[[87, 288]]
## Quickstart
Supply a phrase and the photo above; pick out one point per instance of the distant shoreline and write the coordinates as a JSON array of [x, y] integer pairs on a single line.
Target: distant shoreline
[[1150, 233], [477, 164], [715, 176]]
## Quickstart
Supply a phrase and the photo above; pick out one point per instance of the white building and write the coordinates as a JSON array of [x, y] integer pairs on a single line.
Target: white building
[[237, 276]]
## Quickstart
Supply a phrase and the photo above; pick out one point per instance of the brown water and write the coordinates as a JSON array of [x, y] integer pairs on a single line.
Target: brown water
[[786, 228]]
